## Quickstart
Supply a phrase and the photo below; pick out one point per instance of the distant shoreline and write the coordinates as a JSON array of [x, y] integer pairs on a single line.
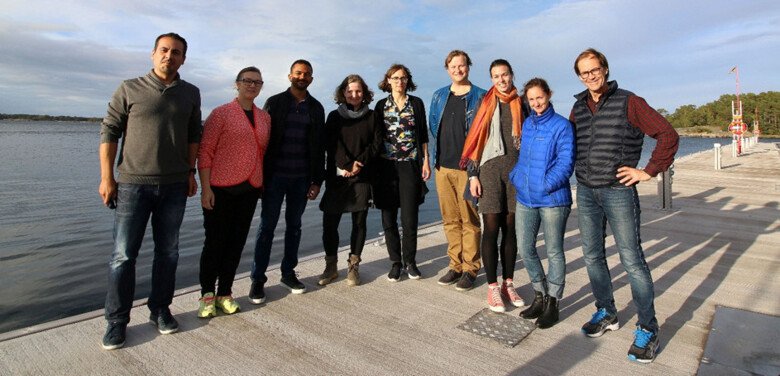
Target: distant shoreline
[[72, 119], [77, 119]]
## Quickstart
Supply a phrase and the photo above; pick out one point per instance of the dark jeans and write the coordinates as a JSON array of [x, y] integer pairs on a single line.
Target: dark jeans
[[618, 206], [227, 226], [276, 189], [330, 232], [134, 205], [404, 176]]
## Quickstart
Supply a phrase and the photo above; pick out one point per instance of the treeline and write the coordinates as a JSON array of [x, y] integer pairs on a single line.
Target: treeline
[[717, 114], [46, 117]]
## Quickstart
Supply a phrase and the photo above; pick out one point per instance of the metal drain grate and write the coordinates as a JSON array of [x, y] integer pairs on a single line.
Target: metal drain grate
[[508, 330]]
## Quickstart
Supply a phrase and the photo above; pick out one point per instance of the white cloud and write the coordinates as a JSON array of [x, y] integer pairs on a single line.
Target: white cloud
[[67, 57]]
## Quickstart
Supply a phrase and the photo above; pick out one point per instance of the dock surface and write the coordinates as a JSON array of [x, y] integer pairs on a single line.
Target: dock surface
[[719, 246]]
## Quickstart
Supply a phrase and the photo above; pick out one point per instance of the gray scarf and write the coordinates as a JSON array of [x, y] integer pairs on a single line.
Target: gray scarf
[[346, 113]]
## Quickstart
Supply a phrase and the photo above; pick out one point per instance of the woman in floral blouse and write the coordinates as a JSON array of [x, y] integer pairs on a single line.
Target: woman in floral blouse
[[402, 168]]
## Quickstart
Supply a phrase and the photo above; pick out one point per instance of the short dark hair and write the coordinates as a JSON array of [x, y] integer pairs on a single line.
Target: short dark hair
[[537, 82], [301, 61], [385, 86], [338, 95], [454, 53], [592, 52], [499, 62], [174, 36], [247, 69]]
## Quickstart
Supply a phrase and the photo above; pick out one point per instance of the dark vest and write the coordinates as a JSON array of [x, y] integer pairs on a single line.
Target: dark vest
[[605, 139]]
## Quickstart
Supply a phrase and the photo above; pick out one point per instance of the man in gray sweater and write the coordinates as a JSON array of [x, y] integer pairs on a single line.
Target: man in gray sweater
[[158, 119]]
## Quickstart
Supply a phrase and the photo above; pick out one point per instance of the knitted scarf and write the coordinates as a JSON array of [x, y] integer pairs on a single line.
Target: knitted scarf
[[478, 135], [346, 113]]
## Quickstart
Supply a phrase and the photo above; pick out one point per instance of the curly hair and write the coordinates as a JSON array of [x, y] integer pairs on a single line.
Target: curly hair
[[338, 95]]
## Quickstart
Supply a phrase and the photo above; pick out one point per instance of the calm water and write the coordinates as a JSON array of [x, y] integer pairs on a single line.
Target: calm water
[[55, 234]]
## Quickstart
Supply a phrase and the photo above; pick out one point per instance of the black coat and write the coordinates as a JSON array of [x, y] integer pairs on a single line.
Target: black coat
[[348, 141], [278, 106]]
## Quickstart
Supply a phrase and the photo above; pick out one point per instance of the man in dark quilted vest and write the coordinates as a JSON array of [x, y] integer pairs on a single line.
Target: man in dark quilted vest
[[610, 125]]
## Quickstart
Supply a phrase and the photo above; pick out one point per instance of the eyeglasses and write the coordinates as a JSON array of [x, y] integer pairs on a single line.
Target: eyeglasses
[[249, 82], [396, 79], [595, 72]]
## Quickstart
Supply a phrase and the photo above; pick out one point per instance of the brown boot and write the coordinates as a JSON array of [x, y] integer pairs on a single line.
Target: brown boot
[[353, 277], [331, 271]]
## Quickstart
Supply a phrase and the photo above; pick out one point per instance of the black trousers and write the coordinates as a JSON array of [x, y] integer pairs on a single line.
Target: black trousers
[[406, 179], [492, 250], [330, 232], [227, 226]]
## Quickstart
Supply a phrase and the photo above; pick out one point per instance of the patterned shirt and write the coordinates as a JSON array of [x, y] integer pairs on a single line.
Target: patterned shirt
[[400, 138]]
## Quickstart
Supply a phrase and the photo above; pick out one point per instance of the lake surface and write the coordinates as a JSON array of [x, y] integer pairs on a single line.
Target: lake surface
[[55, 234]]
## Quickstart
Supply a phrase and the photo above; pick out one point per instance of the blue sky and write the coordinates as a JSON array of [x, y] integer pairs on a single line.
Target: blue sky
[[67, 57]]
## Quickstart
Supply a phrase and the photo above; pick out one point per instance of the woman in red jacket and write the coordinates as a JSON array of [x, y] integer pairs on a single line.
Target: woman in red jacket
[[230, 162]]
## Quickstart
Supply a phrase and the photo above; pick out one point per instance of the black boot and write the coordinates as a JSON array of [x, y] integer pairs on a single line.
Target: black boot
[[550, 315], [536, 308]]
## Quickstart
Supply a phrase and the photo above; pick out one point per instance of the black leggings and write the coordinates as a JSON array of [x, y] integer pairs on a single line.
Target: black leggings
[[227, 226], [330, 232], [493, 222]]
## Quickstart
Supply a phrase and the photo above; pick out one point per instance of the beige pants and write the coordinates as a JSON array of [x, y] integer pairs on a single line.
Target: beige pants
[[460, 221]]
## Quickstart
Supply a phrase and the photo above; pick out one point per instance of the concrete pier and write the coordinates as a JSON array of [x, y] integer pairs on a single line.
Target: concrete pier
[[719, 246]]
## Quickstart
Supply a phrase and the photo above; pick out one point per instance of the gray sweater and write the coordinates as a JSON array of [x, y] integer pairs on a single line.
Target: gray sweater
[[156, 124]]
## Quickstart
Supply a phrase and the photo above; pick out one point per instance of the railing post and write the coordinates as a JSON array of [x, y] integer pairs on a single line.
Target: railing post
[[718, 162], [665, 188]]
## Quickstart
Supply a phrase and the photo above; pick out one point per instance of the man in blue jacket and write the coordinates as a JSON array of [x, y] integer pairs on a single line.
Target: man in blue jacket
[[452, 111]]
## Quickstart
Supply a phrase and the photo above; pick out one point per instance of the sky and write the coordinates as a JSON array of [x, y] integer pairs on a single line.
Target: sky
[[66, 57]]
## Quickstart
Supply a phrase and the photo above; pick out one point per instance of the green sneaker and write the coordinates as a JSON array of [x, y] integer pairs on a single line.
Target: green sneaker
[[207, 308], [227, 304]]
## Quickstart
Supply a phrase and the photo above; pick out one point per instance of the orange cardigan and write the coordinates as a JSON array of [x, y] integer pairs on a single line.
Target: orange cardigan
[[231, 148]]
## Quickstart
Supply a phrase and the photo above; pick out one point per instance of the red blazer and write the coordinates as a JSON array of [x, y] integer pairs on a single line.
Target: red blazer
[[231, 148]]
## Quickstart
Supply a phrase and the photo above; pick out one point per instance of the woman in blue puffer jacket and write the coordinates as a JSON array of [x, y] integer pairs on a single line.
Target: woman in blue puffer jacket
[[541, 178]]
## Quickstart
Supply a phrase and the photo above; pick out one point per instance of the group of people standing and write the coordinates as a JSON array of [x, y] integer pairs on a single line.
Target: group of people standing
[[503, 153]]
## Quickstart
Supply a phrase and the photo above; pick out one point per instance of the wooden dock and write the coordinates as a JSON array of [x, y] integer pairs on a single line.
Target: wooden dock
[[718, 246]]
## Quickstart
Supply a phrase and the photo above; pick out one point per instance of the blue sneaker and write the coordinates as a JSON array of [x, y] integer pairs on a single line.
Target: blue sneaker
[[645, 346], [600, 323]]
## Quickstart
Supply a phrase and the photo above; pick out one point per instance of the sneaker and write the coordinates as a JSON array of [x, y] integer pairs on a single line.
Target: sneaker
[[256, 293], [413, 272], [600, 323], [645, 346], [509, 292], [395, 272], [494, 298], [466, 282], [206, 307], [115, 336], [164, 322], [450, 278], [227, 304], [293, 284]]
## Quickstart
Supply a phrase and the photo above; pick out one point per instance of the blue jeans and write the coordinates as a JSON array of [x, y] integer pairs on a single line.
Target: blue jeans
[[134, 205], [295, 189], [618, 206], [527, 222]]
